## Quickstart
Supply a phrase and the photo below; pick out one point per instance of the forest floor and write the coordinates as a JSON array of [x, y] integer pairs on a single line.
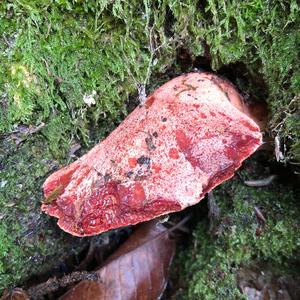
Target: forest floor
[[70, 71]]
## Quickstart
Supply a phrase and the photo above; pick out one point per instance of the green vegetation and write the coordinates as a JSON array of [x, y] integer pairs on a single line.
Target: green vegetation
[[241, 238], [265, 36], [30, 243], [62, 51], [74, 65], [56, 51]]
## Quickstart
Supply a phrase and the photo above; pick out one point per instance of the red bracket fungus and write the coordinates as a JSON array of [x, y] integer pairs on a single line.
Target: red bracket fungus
[[190, 135]]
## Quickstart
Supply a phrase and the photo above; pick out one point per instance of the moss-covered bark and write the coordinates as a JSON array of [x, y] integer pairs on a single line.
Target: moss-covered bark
[[56, 53]]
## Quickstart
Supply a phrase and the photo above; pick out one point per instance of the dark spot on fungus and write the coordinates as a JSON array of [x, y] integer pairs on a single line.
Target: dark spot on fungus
[[129, 174], [149, 143], [143, 174], [190, 87], [98, 173], [164, 119], [107, 177], [227, 96], [143, 160], [155, 134]]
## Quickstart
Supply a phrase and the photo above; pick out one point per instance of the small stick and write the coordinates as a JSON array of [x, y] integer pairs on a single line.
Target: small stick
[[53, 284], [182, 228], [259, 214], [179, 225], [260, 182]]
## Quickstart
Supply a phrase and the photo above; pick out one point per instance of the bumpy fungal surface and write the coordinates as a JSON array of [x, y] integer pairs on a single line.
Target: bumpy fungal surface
[[189, 136]]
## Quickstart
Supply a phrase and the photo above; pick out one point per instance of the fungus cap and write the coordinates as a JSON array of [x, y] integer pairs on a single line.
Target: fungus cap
[[191, 134]]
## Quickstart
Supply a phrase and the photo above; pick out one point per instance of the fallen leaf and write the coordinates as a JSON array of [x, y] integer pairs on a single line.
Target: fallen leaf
[[137, 270], [261, 283]]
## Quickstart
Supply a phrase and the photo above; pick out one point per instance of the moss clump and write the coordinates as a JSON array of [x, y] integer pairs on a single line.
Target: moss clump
[[53, 53], [64, 51], [30, 243], [265, 36], [240, 238]]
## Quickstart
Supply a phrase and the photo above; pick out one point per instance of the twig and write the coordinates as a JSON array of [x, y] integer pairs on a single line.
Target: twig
[[182, 228], [277, 145], [179, 225], [287, 113], [153, 49], [260, 182], [53, 284], [259, 214]]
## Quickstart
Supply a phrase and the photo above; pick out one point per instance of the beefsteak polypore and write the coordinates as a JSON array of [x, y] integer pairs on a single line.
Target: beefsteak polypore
[[191, 134]]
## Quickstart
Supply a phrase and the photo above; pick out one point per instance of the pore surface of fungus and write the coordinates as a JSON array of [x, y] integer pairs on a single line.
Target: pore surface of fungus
[[190, 135]]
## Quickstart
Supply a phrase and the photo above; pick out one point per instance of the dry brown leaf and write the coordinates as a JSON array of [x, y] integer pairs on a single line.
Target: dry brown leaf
[[138, 270], [261, 283]]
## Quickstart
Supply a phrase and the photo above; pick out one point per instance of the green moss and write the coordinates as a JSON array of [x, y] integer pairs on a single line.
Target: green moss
[[264, 36], [8, 249], [30, 243], [64, 50], [240, 238]]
